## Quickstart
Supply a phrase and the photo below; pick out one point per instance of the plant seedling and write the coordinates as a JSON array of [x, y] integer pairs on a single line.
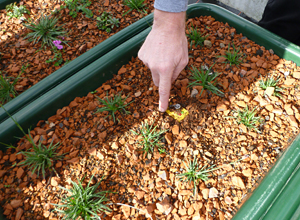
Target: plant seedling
[[45, 29], [114, 104], [13, 11], [271, 82], [195, 174], [204, 78], [196, 38], [76, 6], [248, 118], [83, 203], [134, 4], [41, 157], [7, 89], [107, 22], [233, 56], [150, 138]]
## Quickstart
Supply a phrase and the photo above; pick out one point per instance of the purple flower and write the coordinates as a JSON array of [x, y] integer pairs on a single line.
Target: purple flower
[[59, 47], [57, 44]]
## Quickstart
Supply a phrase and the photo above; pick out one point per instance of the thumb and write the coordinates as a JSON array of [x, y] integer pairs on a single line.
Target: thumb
[[164, 91]]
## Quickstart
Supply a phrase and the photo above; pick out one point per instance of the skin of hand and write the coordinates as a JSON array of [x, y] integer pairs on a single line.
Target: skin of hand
[[165, 52]]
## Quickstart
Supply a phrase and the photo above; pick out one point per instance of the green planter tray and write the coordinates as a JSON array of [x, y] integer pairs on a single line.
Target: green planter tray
[[3, 3], [281, 182], [74, 66]]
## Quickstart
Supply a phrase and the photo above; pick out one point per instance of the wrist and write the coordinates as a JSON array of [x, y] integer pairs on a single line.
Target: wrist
[[169, 21]]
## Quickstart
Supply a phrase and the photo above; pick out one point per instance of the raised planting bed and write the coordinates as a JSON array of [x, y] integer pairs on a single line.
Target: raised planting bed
[[237, 154], [19, 57]]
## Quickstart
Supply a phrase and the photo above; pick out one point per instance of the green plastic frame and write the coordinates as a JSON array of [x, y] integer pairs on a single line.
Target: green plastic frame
[[74, 66], [3, 3], [279, 185]]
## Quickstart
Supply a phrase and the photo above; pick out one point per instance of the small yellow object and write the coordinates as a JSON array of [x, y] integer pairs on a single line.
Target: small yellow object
[[179, 115]]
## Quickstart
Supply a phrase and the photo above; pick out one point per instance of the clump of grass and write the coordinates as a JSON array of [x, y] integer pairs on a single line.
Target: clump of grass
[[13, 11], [151, 138], [248, 118], [41, 158], [45, 29], [83, 203], [107, 22], [134, 4], [271, 82], [114, 104], [206, 79], [234, 57], [7, 89], [196, 38], [194, 173]]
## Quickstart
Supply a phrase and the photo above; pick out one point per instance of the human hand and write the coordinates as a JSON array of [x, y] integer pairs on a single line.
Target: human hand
[[165, 52]]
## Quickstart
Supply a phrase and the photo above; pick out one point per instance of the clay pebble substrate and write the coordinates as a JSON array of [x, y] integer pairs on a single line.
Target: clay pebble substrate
[[96, 146]]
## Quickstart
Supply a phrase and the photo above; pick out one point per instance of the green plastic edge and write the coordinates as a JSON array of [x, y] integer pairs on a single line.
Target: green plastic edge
[[287, 202], [3, 3], [291, 51], [74, 66]]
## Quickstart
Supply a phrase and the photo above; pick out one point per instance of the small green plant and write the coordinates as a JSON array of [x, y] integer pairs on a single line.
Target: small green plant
[[107, 22], [134, 4], [45, 29], [233, 57], [83, 203], [41, 158], [114, 104], [194, 174], [247, 118], [13, 11], [271, 82], [76, 6], [24, 67], [206, 79], [196, 38], [151, 138], [7, 89], [57, 54]]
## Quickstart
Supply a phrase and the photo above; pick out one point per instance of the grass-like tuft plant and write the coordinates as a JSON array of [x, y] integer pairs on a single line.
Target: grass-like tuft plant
[[107, 22], [83, 203], [134, 4], [248, 118], [76, 6], [7, 89], [271, 82], [13, 11], [114, 104], [194, 174], [41, 158], [206, 79], [196, 38], [45, 29], [151, 138], [233, 57]]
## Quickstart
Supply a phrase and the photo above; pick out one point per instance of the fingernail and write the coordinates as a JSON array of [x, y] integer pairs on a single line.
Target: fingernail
[[161, 109]]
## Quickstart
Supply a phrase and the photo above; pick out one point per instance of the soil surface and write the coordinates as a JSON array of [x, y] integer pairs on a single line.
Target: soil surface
[[95, 145], [18, 56]]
